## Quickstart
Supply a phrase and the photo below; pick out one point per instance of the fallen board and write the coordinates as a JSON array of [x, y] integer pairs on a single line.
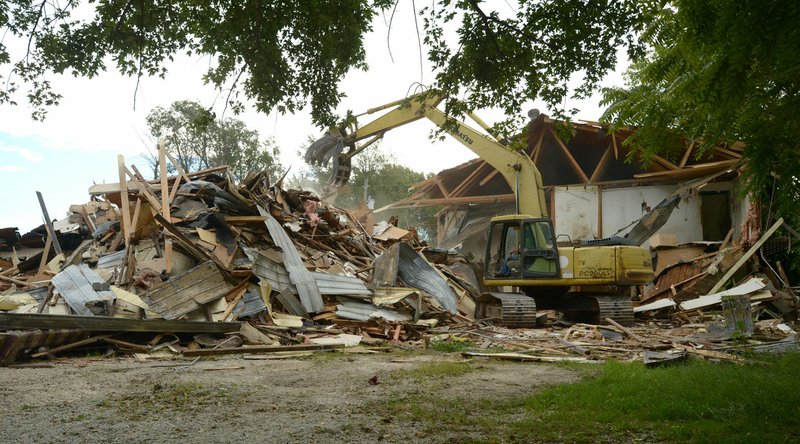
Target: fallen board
[[11, 321]]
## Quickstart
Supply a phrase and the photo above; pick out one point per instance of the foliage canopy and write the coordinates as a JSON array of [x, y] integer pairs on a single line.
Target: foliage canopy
[[197, 140], [286, 55], [717, 72]]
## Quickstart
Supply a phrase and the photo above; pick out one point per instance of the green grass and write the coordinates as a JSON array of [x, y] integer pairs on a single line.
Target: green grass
[[452, 346], [697, 402]]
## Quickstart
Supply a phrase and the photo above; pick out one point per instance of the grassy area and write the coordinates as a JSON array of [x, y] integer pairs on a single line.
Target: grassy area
[[697, 402]]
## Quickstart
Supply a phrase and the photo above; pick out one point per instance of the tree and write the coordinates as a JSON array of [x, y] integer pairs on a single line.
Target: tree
[[286, 55], [197, 140], [377, 179], [720, 71]]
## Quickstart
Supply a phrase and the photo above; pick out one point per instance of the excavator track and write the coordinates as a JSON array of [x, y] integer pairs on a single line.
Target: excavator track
[[507, 309], [617, 307]]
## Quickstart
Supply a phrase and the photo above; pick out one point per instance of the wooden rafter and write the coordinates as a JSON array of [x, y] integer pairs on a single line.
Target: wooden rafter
[[571, 159], [452, 201], [444, 191], [686, 155], [601, 166], [468, 181], [664, 162], [728, 153], [538, 147], [616, 148], [489, 177]]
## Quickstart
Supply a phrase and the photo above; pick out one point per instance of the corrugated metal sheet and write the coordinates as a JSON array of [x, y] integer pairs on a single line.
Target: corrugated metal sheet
[[364, 312], [250, 304], [78, 284], [188, 291], [269, 270], [307, 288], [333, 284], [111, 260], [330, 284], [419, 273]]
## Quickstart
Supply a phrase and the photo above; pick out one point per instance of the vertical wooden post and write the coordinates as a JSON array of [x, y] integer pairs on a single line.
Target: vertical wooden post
[[51, 233], [126, 208], [165, 201]]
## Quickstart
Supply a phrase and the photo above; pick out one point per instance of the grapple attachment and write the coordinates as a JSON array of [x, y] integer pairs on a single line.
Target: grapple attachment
[[330, 147]]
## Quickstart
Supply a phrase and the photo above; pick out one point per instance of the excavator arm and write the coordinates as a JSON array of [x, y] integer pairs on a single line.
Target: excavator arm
[[517, 168]]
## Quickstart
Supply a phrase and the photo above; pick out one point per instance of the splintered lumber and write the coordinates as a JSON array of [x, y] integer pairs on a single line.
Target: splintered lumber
[[12, 321], [126, 208], [51, 232], [188, 291], [625, 330], [261, 349], [530, 358], [746, 256], [306, 285], [70, 346]]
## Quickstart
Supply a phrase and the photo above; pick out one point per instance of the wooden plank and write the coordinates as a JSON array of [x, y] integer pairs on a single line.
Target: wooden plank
[[51, 232], [664, 162], [575, 165], [468, 181], [444, 191], [625, 330], [70, 346], [165, 200], [728, 153], [126, 209], [45, 254], [244, 219], [746, 256], [601, 165], [236, 298], [14, 281], [11, 321], [538, 148], [686, 155], [489, 177], [261, 349], [144, 191]]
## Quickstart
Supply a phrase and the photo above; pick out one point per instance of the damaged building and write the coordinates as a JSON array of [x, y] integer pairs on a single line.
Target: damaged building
[[592, 190]]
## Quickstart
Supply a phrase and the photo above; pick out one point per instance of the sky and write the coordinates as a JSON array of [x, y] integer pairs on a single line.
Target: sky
[[77, 144]]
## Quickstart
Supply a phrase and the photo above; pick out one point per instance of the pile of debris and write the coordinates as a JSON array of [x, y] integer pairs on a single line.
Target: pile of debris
[[177, 264]]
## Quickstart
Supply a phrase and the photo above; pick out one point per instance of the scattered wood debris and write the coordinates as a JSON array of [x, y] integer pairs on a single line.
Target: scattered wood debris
[[196, 265]]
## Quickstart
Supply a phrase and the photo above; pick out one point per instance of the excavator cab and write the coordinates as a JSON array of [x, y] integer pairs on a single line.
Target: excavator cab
[[521, 247]]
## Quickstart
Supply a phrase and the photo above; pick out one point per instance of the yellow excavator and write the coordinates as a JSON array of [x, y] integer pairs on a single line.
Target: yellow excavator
[[588, 282]]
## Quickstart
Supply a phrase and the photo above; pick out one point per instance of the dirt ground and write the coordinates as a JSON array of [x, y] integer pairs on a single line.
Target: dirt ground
[[304, 399]]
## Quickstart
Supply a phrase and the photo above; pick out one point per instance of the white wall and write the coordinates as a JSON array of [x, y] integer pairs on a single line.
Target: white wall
[[576, 211]]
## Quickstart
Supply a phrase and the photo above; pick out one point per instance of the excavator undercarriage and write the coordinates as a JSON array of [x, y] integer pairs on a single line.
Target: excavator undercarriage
[[519, 309]]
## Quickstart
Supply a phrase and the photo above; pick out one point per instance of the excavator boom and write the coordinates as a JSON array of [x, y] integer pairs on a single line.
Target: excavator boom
[[517, 168]]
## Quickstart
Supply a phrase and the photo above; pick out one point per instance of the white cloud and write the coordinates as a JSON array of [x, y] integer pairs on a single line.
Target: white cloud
[[12, 169], [25, 153]]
